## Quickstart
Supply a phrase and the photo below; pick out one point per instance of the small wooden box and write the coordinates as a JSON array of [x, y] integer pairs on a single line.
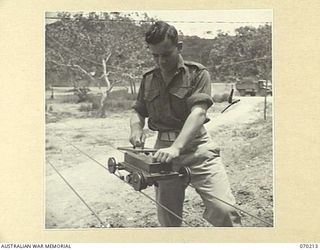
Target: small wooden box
[[145, 163]]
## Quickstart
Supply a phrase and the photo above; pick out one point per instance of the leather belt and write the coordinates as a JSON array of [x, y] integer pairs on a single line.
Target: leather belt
[[168, 136], [171, 136]]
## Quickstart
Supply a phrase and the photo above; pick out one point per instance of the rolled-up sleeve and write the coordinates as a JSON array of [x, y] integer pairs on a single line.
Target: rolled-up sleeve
[[140, 105], [202, 90]]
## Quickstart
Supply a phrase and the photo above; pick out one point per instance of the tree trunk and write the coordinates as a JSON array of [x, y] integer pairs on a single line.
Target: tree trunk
[[105, 94], [134, 87], [131, 86], [101, 113]]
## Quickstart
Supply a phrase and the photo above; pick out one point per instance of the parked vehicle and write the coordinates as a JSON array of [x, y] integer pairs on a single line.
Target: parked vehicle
[[250, 86]]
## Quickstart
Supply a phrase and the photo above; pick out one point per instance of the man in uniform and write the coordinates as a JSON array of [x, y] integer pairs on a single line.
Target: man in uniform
[[175, 97]]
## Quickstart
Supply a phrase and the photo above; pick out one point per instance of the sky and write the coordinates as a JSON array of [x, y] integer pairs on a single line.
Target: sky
[[223, 20], [237, 18]]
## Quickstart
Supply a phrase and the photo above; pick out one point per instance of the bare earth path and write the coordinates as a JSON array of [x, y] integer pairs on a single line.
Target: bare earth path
[[115, 202]]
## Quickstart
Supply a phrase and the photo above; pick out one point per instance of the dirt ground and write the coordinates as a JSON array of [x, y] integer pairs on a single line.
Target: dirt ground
[[244, 137]]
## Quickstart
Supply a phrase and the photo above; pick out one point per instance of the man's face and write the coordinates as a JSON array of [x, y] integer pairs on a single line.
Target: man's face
[[165, 55]]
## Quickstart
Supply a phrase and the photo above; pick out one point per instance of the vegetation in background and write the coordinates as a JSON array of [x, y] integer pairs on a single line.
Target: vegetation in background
[[77, 44]]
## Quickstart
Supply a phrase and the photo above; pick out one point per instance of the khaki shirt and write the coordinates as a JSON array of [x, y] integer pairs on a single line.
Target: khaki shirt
[[168, 106]]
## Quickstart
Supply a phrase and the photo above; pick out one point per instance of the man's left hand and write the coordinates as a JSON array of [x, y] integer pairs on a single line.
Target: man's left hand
[[166, 155]]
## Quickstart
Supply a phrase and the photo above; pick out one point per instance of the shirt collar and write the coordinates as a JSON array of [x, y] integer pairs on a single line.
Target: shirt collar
[[181, 64]]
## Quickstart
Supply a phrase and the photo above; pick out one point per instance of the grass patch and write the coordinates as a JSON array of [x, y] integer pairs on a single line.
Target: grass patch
[[50, 148], [247, 143], [78, 136], [247, 152]]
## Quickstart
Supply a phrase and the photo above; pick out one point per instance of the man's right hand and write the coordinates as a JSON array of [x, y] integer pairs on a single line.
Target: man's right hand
[[137, 138]]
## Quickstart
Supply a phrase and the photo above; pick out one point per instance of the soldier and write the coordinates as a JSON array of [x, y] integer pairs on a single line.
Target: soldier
[[175, 96]]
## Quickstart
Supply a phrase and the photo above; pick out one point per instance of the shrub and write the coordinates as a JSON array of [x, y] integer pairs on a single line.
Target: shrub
[[116, 104], [120, 100], [122, 95], [82, 93], [68, 99], [85, 107]]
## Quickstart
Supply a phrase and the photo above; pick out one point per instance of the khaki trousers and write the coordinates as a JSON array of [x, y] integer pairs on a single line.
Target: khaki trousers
[[208, 177]]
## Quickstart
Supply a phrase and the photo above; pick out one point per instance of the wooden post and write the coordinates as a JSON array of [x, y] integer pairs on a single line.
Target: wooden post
[[131, 87], [265, 100], [134, 86], [265, 105], [52, 97]]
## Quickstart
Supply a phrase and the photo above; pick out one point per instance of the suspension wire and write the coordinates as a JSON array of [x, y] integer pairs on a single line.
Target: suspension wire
[[159, 204], [121, 177], [78, 195], [146, 21], [90, 157], [71, 51], [243, 211], [118, 68], [231, 205], [239, 62], [167, 209], [164, 207], [93, 137], [211, 67]]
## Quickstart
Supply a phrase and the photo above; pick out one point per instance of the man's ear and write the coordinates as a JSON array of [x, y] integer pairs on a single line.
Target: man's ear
[[180, 46]]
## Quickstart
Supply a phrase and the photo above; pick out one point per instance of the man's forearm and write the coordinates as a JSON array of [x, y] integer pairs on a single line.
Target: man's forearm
[[191, 126], [137, 137], [137, 121]]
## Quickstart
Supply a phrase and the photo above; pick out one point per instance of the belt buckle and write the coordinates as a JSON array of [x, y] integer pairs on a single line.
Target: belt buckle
[[172, 136], [168, 136]]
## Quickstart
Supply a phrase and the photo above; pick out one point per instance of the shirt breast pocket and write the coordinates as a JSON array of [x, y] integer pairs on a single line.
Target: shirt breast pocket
[[178, 98], [152, 99]]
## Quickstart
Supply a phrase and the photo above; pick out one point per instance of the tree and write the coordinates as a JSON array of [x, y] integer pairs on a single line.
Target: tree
[[78, 46], [247, 53], [99, 48]]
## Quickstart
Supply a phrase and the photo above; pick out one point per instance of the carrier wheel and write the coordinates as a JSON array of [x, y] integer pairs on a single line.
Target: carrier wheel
[[112, 165], [138, 181]]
